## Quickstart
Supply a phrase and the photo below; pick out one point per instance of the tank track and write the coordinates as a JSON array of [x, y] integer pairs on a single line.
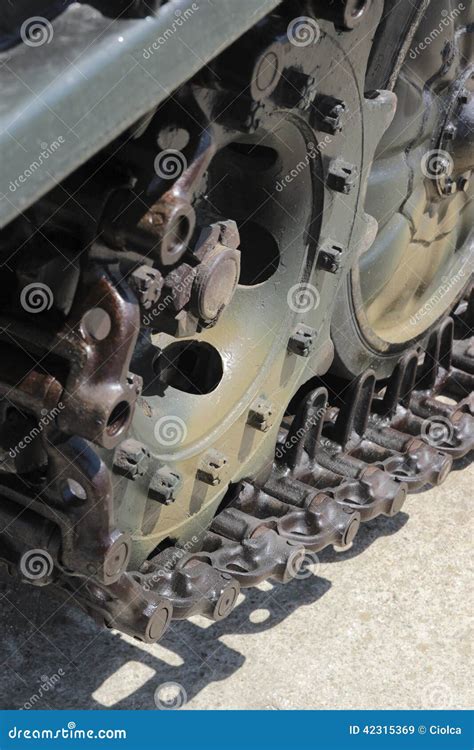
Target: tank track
[[341, 460], [345, 454]]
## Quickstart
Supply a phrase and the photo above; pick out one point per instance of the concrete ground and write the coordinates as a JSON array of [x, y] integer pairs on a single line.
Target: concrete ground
[[389, 628]]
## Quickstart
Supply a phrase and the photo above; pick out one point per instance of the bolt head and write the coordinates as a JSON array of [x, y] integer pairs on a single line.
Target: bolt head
[[450, 187], [212, 468], [261, 415], [147, 283], [342, 176], [450, 132], [131, 459], [165, 485], [302, 341]]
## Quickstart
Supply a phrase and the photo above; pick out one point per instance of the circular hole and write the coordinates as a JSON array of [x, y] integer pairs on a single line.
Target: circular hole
[[97, 323], [262, 157], [179, 233], [358, 8], [190, 366], [118, 418], [260, 254], [182, 229]]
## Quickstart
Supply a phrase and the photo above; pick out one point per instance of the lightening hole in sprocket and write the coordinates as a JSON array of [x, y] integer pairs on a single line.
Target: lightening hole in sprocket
[[260, 254], [193, 367]]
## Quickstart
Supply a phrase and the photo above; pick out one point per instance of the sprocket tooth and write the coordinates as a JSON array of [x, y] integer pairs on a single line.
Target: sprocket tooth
[[438, 355], [351, 421], [399, 387], [305, 431], [464, 315], [463, 356]]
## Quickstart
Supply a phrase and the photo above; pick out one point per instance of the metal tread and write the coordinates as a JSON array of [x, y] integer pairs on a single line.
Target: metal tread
[[337, 465]]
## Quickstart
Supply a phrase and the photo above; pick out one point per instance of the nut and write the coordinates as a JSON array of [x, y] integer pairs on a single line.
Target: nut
[[212, 467], [302, 341], [261, 415], [131, 459], [147, 283], [164, 485], [330, 256], [342, 176]]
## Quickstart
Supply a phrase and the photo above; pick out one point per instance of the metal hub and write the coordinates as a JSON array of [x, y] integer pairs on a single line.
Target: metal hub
[[185, 434], [420, 194]]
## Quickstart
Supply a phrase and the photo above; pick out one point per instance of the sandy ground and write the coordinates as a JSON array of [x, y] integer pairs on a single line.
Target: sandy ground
[[389, 628]]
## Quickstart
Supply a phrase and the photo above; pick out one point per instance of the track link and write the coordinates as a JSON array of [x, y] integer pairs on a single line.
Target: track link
[[340, 460]]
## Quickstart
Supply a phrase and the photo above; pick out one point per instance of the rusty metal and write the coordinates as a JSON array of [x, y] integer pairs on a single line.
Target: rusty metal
[[335, 467], [158, 279]]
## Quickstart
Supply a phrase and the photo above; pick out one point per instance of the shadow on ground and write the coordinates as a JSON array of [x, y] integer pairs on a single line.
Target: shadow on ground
[[43, 637]]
